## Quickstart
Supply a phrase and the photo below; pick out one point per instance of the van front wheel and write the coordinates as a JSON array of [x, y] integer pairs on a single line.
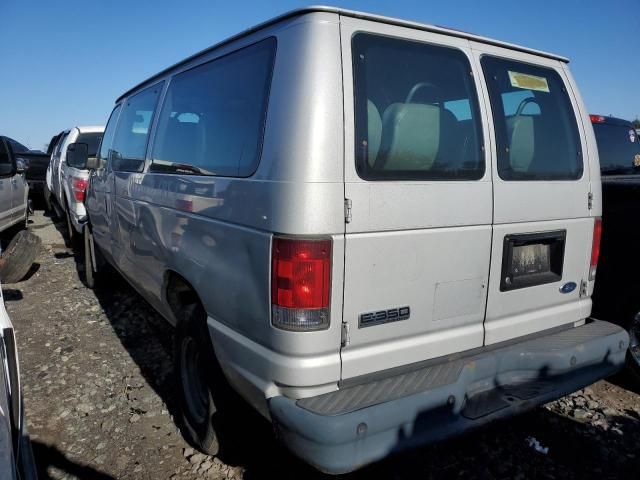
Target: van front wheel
[[198, 375]]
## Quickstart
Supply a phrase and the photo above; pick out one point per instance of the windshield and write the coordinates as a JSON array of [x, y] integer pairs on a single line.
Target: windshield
[[618, 148], [92, 140]]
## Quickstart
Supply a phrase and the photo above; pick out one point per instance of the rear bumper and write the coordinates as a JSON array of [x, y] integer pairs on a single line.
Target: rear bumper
[[343, 430]]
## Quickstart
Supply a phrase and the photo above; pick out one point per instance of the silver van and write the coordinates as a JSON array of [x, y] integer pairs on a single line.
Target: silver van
[[379, 233]]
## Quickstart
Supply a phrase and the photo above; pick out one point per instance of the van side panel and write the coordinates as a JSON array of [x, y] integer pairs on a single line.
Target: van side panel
[[216, 232]]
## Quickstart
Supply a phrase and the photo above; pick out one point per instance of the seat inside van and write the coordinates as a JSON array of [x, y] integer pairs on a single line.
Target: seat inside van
[[415, 136], [534, 137]]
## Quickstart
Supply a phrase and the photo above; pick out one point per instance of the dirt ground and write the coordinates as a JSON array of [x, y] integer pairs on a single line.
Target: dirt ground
[[99, 394]]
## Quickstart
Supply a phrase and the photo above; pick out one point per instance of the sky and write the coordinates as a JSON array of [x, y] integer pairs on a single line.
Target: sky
[[65, 62]]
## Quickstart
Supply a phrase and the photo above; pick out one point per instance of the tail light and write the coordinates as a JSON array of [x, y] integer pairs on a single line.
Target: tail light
[[300, 284], [79, 186], [597, 118], [595, 247]]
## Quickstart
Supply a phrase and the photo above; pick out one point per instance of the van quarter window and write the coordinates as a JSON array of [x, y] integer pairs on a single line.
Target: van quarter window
[[536, 132], [212, 120], [130, 140], [416, 110]]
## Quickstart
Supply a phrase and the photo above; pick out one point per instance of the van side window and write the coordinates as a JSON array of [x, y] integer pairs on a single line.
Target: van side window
[[416, 111], [107, 137], [130, 140], [213, 117], [536, 132]]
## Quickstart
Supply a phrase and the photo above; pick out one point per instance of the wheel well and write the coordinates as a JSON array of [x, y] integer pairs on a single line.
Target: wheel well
[[180, 294]]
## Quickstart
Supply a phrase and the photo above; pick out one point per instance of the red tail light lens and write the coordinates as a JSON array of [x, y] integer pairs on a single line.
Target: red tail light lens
[[79, 186], [595, 247], [597, 118], [300, 284]]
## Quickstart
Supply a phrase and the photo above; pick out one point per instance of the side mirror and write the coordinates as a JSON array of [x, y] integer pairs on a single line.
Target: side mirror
[[77, 155], [22, 165], [93, 163]]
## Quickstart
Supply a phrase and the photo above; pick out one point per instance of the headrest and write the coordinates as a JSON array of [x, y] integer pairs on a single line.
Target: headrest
[[410, 136]]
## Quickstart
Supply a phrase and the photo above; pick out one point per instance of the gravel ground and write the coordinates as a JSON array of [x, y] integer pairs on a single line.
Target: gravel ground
[[98, 385]]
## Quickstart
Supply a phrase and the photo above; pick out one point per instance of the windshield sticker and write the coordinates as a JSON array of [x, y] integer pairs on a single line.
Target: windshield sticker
[[632, 136], [528, 82], [636, 160]]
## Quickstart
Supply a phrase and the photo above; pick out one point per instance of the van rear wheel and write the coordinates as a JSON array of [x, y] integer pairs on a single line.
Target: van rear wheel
[[200, 380]]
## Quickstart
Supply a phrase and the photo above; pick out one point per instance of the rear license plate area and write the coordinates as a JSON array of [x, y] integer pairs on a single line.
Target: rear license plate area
[[531, 259]]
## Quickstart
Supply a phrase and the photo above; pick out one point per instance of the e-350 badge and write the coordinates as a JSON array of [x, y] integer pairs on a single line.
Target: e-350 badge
[[384, 316]]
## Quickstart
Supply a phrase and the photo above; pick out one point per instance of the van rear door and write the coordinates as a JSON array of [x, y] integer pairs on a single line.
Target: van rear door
[[418, 198], [543, 223]]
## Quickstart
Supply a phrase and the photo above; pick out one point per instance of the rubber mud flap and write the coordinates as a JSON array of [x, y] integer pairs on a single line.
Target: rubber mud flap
[[18, 257]]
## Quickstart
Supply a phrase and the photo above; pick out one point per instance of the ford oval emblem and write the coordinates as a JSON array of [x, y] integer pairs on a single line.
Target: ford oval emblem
[[568, 287]]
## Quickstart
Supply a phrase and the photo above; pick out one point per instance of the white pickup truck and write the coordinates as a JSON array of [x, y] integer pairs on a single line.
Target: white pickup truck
[[67, 183]]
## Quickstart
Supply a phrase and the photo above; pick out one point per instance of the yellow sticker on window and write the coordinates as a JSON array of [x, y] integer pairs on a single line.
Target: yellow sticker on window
[[528, 82]]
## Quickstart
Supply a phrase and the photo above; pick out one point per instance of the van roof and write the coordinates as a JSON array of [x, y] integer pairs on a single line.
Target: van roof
[[353, 14]]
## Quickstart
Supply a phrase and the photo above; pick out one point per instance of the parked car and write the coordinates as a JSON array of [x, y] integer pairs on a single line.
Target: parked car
[[68, 182], [320, 209], [616, 294], [22, 246], [36, 162], [16, 457], [14, 205]]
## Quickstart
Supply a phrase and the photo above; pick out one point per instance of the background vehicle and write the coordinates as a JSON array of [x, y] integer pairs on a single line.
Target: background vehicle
[[16, 457], [616, 295], [317, 207], [68, 182], [14, 205], [36, 163], [20, 249]]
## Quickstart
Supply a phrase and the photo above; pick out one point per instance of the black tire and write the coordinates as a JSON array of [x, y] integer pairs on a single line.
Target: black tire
[[46, 195], [202, 387], [18, 257], [72, 236], [89, 267], [95, 267]]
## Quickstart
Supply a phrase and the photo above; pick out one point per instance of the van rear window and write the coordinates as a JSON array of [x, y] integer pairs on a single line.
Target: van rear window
[[536, 132], [416, 111]]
